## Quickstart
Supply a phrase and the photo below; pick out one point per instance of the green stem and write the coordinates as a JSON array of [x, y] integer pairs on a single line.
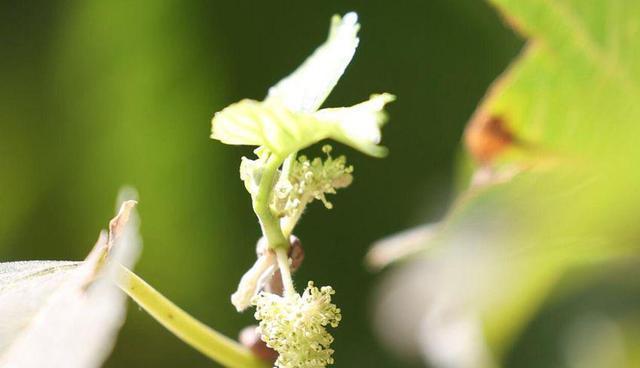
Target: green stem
[[270, 224], [285, 271], [188, 329]]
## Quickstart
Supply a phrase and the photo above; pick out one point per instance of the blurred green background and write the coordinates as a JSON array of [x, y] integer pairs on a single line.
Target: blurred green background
[[98, 94]]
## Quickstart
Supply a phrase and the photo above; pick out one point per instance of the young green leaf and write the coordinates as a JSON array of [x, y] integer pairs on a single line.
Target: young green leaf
[[288, 121], [306, 88], [283, 131]]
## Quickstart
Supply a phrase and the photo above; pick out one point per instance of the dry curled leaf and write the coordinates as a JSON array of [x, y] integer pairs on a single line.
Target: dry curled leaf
[[67, 314]]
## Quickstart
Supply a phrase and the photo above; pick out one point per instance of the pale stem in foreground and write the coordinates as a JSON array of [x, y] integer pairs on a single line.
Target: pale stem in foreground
[[193, 332]]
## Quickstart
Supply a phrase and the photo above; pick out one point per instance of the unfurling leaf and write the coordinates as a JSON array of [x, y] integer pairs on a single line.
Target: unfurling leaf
[[282, 131], [308, 86], [288, 120]]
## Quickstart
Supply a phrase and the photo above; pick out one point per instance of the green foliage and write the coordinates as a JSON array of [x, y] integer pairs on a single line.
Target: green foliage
[[571, 103], [554, 143]]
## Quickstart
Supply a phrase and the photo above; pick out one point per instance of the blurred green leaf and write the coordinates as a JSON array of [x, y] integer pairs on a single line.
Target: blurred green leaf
[[554, 180], [573, 91]]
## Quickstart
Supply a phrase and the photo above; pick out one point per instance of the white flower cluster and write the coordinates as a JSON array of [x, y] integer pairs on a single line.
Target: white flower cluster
[[313, 179], [295, 326], [308, 180]]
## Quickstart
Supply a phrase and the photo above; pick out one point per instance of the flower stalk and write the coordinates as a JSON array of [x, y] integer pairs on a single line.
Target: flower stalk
[[206, 340], [268, 222], [285, 271]]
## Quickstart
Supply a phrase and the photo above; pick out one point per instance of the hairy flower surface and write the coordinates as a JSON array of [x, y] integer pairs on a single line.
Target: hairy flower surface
[[309, 180], [295, 326]]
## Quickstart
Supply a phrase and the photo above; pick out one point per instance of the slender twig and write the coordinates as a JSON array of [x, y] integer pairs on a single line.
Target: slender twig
[[285, 271], [270, 224], [188, 329]]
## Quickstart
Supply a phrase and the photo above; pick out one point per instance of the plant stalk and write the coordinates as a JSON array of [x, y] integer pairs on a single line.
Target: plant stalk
[[270, 224], [209, 342], [285, 271]]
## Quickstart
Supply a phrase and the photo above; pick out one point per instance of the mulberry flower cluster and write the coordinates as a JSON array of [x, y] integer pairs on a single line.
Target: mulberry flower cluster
[[295, 325], [308, 180], [312, 179]]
